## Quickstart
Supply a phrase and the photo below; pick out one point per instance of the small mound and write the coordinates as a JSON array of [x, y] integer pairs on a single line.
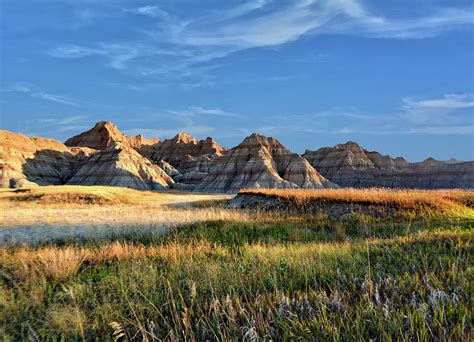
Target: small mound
[[340, 203], [66, 198]]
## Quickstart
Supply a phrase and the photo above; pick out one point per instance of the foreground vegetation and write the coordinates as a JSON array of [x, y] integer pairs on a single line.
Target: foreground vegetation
[[273, 276]]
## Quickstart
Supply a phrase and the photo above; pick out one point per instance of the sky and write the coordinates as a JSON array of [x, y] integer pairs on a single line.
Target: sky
[[397, 76]]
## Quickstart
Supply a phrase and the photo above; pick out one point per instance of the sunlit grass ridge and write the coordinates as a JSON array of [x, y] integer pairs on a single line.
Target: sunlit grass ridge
[[402, 199]]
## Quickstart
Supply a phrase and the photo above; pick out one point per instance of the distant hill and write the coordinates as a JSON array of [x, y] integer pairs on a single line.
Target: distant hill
[[350, 165], [105, 156]]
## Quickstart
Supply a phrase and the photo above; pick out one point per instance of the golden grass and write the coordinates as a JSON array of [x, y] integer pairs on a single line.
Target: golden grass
[[109, 205], [74, 195], [121, 215], [61, 262], [400, 198], [58, 263]]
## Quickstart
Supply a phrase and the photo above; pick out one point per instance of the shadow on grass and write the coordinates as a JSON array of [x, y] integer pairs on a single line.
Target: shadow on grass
[[281, 230]]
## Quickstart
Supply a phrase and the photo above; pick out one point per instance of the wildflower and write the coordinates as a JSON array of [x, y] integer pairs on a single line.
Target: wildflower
[[437, 296], [337, 306], [454, 298], [413, 299], [385, 311], [284, 307], [250, 333], [377, 296], [304, 309]]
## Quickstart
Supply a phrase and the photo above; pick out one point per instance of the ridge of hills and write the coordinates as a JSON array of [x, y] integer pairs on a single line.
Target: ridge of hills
[[104, 155]]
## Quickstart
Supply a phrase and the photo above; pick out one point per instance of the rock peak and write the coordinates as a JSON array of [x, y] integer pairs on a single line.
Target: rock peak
[[259, 140], [105, 134], [350, 146], [101, 124], [184, 137]]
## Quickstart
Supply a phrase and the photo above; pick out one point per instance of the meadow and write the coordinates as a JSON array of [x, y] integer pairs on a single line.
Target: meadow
[[221, 273]]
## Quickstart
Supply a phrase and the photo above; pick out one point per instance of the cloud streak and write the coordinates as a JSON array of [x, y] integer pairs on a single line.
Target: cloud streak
[[175, 45], [36, 92], [449, 114]]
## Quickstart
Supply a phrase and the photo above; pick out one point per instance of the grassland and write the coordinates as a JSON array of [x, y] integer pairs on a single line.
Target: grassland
[[241, 274]]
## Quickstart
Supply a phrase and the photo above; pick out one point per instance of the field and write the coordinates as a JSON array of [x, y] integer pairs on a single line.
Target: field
[[177, 266]]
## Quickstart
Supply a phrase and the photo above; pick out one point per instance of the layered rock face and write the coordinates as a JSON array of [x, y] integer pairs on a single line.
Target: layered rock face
[[260, 162], [190, 157], [105, 156], [120, 165], [37, 161], [350, 165], [105, 134], [182, 148], [27, 161]]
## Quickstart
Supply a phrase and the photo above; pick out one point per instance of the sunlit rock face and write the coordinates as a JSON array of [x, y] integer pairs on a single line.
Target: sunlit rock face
[[121, 165], [260, 162], [105, 156], [350, 165], [30, 161], [182, 150], [105, 134], [188, 156]]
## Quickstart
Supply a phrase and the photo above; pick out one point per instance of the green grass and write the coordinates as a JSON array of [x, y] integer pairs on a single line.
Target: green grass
[[295, 277]]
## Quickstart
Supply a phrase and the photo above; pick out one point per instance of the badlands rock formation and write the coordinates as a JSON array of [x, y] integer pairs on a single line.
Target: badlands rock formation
[[350, 165], [260, 162], [189, 156], [183, 147], [37, 161], [121, 165], [27, 161], [105, 134], [105, 156]]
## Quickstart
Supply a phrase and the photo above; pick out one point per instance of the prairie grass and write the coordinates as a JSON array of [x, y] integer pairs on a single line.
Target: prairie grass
[[71, 195], [410, 287], [229, 274], [75, 205]]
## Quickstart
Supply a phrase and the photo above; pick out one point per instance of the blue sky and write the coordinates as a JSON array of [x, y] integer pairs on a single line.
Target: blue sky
[[395, 75]]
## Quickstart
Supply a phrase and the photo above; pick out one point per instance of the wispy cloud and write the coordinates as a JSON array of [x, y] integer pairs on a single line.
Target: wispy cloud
[[196, 120], [441, 20], [441, 130], [56, 126], [36, 92], [55, 98], [176, 45], [194, 111], [149, 11], [448, 101], [447, 114], [443, 111], [166, 133]]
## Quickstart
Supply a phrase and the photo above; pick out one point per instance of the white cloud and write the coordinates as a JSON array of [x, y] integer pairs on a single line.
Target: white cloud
[[187, 45], [187, 121], [37, 92], [198, 111], [448, 101], [443, 111], [446, 114], [55, 98], [54, 126], [150, 11], [467, 129], [436, 23], [263, 25], [74, 51]]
